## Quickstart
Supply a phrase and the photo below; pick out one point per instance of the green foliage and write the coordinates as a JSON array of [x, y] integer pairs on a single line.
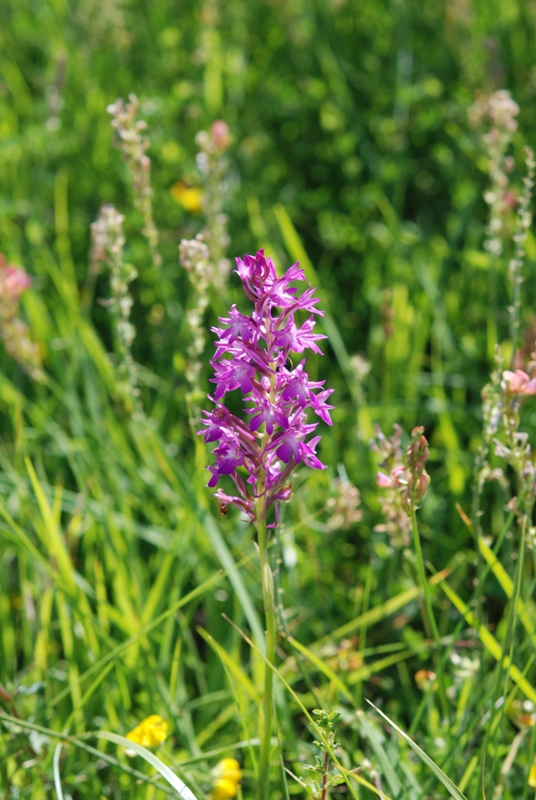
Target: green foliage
[[119, 579], [322, 780]]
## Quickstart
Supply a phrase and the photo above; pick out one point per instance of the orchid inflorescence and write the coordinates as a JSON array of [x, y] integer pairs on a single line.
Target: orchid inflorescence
[[253, 354]]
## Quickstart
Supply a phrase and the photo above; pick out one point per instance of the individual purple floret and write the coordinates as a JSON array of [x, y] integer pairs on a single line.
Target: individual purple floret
[[254, 355]]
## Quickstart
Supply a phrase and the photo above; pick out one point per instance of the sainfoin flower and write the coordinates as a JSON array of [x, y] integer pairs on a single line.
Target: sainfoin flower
[[518, 382], [256, 355]]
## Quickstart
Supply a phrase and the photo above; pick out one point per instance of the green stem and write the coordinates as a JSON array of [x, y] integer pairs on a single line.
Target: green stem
[[269, 612], [508, 647], [429, 611], [325, 777]]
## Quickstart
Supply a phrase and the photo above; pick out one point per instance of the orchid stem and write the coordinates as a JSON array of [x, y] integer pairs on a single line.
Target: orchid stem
[[269, 612]]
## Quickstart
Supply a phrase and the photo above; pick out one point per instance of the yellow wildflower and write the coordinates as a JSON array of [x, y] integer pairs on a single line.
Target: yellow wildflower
[[532, 776], [150, 732], [227, 776], [189, 197], [224, 789]]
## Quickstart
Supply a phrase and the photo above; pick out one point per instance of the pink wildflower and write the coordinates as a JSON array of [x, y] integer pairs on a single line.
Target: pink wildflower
[[394, 480], [13, 280], [517, 383], [221, 136], [16, 281]]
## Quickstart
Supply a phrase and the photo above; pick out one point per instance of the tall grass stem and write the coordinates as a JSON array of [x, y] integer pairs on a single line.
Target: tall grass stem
[[429, 617], [508, 647]]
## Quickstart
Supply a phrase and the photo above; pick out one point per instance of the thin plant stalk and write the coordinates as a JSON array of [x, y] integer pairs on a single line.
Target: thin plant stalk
[[324, 794], [270, 619], [508, 645], [516, 264], [108, 243], [429, 616], [133, 141], [268, 598], [498, 112]]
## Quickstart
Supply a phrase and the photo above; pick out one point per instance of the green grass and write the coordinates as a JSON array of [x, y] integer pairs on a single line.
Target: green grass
[[123, 591]]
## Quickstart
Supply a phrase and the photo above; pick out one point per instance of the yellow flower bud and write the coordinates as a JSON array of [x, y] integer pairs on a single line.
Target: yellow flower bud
[[230, 768], [224, 789], [227, 777], [189, 197], [150, 732]]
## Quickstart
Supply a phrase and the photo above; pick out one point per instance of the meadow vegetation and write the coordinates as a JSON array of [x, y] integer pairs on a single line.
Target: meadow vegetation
[[386, 147]]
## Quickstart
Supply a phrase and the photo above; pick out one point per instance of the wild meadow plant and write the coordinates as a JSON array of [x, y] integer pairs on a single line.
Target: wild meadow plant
[[14, 332], [501, 396], [194, 258], [108, 242], [213, 168], [260, 450], [204, 258], [133, 142], [495, 116]]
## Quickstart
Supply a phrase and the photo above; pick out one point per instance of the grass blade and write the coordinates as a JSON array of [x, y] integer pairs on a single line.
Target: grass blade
[[445, 780], [491, 644], [151, 759]]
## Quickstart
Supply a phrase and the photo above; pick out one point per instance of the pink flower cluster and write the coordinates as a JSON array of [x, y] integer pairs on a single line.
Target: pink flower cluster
[[14, 332], [253, 355], [13, 281], [411, 478]]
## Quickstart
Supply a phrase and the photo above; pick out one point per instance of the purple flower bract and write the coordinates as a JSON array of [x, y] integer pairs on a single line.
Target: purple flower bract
[[253, 355]]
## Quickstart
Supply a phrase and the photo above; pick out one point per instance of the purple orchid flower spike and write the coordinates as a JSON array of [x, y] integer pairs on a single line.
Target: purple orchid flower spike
[[253, 354]]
